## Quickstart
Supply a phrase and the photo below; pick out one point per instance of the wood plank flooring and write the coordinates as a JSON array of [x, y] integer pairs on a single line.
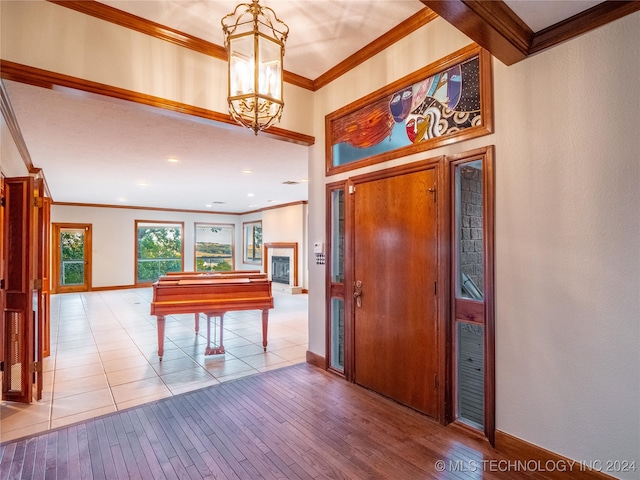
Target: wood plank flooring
[[297, 422]]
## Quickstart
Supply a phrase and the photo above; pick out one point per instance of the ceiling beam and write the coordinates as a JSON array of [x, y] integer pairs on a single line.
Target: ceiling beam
[[492, 25]]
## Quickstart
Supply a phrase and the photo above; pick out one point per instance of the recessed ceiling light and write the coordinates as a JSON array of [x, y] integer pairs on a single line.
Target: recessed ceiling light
[[122, 199], [246, 170], [304, 180], [208, 205], [172, 160], [142, 184], [250, 195]]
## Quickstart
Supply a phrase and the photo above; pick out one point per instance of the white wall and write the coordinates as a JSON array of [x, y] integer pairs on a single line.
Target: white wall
[[567, 232], [288, 224], [113, 238]]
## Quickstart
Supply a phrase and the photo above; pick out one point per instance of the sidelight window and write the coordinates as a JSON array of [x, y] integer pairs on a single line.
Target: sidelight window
[[472, 306], [336, 312]]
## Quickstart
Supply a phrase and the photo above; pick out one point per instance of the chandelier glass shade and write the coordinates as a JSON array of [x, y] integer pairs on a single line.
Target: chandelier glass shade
[[254, 39]]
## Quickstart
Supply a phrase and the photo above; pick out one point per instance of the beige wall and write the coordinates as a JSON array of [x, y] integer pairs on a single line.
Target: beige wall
[[567, 233]]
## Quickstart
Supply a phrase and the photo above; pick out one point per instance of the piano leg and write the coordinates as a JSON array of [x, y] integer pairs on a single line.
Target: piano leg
[[265, 324], [220, 348], [160, 325], [197, 322]]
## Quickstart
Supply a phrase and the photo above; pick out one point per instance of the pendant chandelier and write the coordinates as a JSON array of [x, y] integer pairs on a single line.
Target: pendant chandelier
[[254, 39]]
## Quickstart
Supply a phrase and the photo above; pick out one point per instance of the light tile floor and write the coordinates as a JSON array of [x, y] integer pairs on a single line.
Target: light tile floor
[[104, 356]]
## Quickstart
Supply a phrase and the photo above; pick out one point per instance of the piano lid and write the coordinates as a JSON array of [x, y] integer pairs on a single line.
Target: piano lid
[[212, 281]]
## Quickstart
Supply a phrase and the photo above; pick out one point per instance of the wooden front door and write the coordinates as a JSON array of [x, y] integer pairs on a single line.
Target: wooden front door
[[395, 269]]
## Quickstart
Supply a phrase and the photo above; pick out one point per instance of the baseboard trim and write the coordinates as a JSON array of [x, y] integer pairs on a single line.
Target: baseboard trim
[[114, 287], [316, 360], [554, 465]]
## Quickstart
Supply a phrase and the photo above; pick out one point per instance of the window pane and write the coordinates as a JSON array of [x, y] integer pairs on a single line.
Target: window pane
[[159, 250], [471, 374], [469, 225], [71, 257], [337, 333], [214, 247], [337, 236], [253, 242]]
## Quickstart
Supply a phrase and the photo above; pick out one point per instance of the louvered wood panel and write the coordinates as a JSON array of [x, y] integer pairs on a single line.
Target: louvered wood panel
[[19, 331]]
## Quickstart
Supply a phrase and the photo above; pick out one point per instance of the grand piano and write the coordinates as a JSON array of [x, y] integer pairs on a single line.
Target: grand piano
[[212, 295]]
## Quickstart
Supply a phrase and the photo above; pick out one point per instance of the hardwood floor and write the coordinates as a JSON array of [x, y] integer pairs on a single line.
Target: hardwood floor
[[297, 422], [104, 356]]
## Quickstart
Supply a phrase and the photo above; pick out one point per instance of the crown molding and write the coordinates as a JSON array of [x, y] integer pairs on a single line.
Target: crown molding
[[51, 80], [275, 207], [127, 20], [595, 17], [161, 209], [494, 26], [410, 25], [156, 30], [138, 207]]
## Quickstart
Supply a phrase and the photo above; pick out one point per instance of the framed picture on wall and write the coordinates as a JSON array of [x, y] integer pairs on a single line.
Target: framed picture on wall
[[448, 101], [252, 242]]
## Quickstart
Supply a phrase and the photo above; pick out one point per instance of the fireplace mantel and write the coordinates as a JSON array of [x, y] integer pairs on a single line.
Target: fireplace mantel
[[294, 259]]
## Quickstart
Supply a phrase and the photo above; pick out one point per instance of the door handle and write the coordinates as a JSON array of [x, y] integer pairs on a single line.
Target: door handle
[[357, 293]]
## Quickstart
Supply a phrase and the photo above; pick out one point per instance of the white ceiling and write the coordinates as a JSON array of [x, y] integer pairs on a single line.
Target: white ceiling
[[102, 151]]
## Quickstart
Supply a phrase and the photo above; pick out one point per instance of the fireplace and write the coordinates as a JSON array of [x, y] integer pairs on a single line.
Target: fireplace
[[280, 269]]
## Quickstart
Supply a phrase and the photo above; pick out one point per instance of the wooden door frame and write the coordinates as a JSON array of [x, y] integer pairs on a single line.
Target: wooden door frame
[[2, 273], [486, 155], [444, 209], [55, 257], [334, 289], [44, 257]]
